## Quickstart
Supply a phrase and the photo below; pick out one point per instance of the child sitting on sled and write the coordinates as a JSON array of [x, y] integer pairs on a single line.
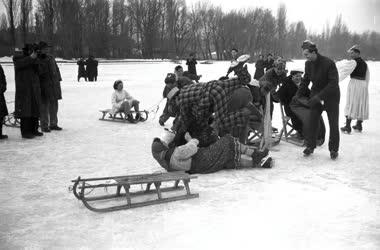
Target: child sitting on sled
[[122, 101]]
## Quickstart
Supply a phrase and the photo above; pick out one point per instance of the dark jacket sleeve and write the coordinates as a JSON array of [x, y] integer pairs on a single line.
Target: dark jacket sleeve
[[332, 81], [58, 71], [3, 82], [304, 86]]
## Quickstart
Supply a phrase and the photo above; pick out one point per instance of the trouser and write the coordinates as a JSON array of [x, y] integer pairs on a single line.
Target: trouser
[[48, 110], [28, 125], [332, 110], [302, 113]]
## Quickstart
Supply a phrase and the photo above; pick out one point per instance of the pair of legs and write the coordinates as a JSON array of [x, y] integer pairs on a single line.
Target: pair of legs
[[126, 106], [85, 78], [332, 110], [49, 111], [29, 127], [347, 127]]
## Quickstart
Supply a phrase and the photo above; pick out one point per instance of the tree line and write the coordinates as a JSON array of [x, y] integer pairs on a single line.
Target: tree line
[[166, 29]]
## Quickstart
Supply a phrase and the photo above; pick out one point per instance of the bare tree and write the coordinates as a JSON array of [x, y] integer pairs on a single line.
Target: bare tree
[[11, 7], [26, 12]]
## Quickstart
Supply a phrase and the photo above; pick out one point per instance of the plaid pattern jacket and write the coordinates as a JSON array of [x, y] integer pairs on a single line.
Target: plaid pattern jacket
[[197, 102]]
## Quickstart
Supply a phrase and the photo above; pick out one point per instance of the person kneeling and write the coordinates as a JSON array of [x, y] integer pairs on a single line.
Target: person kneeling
[[225, 153], [122, 101]]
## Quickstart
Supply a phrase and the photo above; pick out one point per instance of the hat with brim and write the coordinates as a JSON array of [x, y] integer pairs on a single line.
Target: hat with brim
[[296, 71], [354, 48]]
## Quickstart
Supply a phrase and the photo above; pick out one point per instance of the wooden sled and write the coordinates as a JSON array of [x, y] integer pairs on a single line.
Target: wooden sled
[[124, 117], [11, 121], [126, 182], [255, 135]]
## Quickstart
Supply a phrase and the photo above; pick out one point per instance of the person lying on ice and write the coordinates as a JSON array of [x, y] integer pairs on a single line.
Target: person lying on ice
[[122, 101], [225, 153]]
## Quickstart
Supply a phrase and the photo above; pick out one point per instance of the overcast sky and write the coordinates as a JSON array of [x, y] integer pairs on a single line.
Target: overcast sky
[[359, 15]]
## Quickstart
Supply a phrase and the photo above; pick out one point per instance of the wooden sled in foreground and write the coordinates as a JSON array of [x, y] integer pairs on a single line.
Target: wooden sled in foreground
[[82, 189], [11, 121], [123, 117]]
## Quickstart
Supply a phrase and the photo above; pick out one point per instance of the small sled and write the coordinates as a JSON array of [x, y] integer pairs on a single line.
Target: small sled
[[11, 121], [81, 191], [123, 117], [255, 136]]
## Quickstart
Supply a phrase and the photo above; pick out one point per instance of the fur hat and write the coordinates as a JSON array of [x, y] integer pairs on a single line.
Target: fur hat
[[354, 48], [170, 78], [309, 45]]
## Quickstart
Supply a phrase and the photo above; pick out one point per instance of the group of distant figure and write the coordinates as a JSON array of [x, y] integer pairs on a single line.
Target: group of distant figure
[[88, 69], [37, 91]]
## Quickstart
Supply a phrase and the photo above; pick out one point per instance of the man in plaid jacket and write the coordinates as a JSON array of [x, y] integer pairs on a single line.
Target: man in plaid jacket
[[198, 102]]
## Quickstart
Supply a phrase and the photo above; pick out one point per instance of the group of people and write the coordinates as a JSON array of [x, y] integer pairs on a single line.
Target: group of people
[[38, 89], [209, 130], [88, 69]]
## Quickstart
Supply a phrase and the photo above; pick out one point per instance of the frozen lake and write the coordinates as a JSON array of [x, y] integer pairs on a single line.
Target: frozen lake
[[302, 203]]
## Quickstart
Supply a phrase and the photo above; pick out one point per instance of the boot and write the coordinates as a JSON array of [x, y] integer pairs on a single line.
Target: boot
[[347, 129], [358, 126], [308, 151], [258, 155], [1, 131]]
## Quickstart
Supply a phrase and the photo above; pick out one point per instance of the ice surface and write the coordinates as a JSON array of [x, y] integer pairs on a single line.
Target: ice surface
[[302, 203]]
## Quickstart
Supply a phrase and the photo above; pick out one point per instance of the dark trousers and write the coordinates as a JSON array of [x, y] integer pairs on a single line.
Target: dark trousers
[[332, 110], [28, 125], [48, 113], [303, 113]]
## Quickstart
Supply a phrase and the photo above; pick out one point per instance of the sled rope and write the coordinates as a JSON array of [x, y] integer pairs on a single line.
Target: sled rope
[[154, 109]]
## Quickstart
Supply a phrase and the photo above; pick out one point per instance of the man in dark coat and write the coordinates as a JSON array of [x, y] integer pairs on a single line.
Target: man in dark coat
[[325, 95], [260, 66], [92, 69], [50, 78], [28, 91], [3, 104], [191, 64], [296, 109], [81, 69]]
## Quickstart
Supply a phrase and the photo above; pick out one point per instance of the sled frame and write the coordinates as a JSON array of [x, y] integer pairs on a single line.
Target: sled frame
[[123, 116], [288, 134], [150, 180], [11, 121]]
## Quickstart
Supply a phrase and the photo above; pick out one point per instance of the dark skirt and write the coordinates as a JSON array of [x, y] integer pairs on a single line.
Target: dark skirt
[[223, 154]]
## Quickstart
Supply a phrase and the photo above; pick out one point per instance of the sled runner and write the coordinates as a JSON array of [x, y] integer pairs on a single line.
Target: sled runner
[[11, 121], [255, 135], [83, 187], [124, 117]]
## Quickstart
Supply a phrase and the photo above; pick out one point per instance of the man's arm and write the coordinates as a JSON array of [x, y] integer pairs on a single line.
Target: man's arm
[[332, 82]]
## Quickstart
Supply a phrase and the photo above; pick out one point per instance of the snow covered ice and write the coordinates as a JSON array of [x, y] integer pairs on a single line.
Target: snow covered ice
[[302, 203]]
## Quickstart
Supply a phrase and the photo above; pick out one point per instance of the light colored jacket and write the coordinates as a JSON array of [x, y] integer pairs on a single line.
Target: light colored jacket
[[118, 98], [181, 157]]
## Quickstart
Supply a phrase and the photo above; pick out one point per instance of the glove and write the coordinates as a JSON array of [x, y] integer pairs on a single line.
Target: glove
[[314, 101]]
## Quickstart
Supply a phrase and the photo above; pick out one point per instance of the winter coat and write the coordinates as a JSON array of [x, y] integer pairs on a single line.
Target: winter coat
[[269, 64], [191, 66], [28, 91], [3, 88], [288, 90], [50, 78], [324, 75], [260, 66], [92, 68], [81, 68]]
